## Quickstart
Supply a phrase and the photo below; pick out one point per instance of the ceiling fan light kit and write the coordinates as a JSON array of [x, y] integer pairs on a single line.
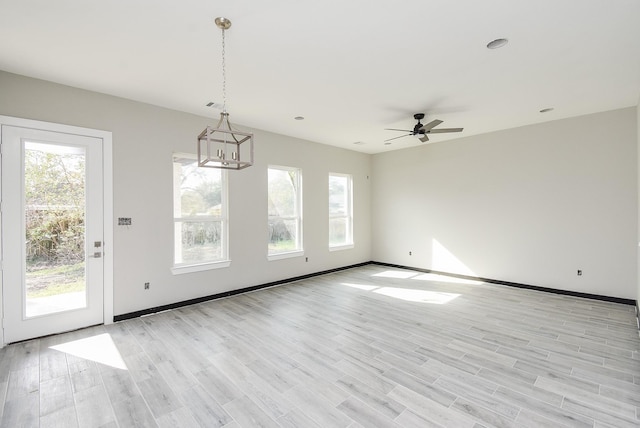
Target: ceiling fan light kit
[[223, 147], [421, 130]]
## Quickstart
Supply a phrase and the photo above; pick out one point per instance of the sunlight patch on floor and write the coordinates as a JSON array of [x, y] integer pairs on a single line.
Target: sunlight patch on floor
[[445, 278], [401, 274], [100, 349], [421, 296], [407, 294], [361, 286]]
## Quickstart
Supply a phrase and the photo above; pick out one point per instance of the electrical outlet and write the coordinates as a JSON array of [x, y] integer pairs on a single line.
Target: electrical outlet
[[409, 252], [124, 221], [306, 259], [147, 285]]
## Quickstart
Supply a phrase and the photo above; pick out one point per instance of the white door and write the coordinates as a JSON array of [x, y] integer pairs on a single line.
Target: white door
[[52, 232]]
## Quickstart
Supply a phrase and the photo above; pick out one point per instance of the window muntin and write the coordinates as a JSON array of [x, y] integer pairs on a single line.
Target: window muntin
[[285, 210], [340, 210], [199, 213]]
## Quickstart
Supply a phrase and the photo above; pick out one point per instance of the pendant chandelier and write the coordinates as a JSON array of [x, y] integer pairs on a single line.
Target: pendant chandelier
[[222, 146]]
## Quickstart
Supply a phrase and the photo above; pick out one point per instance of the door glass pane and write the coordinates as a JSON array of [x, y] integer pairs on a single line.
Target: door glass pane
[[54, 201]]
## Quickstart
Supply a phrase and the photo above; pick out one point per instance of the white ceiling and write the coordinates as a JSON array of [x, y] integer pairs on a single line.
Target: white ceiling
[[350, 67]]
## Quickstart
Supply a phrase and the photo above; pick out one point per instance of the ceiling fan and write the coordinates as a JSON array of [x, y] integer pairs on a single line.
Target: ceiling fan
[[421, 130]]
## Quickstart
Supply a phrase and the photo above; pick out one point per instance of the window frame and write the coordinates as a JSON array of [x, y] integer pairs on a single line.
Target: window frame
[[222, 262], [299, 251], [348, 216]]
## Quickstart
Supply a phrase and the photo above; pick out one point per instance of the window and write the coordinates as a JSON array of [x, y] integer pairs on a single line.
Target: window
[[340, 211], [199, 216], [285, 212]]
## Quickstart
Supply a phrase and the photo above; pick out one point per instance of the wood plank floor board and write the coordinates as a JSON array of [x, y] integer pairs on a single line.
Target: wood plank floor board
[[624, 396], [315, 406], [524, 353], [53, 364], [598, 401], [504, 380], [552, 412], [462, 377], [432, 411], [356, 348], [93, 407], [134, 412], [597, 413], [26, 354], [119, 385], [296, 419], [22, 411], [492, 402], [216, 383], [420, 371], [280, 380], [482, 414], [159, 396], [429, 390], [597, 369], [63, 418], [605, 351], [204, 408], [6, 355], [446, 357], [23, 382], [498, 365], [370, 396], [365, 415], [530, 419], [55, 394], [247, 414], [180, 418], [370, 374], [329, 391], [3, 396]]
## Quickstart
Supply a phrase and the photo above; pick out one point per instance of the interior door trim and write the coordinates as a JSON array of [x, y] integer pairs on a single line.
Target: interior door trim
[[107, 163]]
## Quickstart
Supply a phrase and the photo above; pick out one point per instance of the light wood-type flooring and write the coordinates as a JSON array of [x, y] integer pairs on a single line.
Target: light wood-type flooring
[[364, 347]]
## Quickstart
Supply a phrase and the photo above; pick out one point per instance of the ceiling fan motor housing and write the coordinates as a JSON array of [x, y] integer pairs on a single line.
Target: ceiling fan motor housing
[[417, 129]]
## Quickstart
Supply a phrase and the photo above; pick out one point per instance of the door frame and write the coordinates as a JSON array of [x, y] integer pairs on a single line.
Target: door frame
[[107, 170]]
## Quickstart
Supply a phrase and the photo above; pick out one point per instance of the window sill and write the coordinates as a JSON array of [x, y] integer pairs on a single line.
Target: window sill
[[288, 255], [179, 270], [341, 247]]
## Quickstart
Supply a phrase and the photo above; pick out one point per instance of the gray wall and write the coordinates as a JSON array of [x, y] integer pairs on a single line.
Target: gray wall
[[530, 205], [144, 138]]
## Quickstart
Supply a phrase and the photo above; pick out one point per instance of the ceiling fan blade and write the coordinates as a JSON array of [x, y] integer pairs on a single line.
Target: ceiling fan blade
[[444, 130], [424, 139], [394, 129], [395, 138], [431, 124]]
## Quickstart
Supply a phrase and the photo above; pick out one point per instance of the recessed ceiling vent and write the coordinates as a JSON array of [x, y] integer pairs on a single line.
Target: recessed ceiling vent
[[497, 43]]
